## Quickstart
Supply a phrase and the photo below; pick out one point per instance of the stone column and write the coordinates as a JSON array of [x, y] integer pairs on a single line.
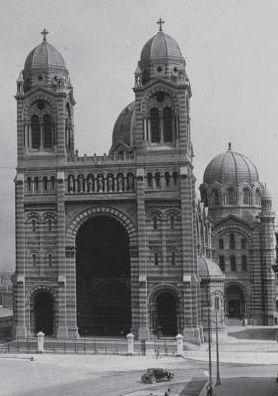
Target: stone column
[[143, 332], [19, 281], [62, 330], [191, 330]]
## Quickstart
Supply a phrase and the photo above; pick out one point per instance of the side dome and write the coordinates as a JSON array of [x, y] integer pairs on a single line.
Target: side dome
[[208, 269], [230, 168], [123, 128]]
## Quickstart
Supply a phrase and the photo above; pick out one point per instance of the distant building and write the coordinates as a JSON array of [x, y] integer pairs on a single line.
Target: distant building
[[6, 288]]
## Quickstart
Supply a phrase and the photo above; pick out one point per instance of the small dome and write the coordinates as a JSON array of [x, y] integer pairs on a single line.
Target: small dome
[[44, 56], [160, 46], [123, 126], [208, 268], [266, 195], [230, 168]]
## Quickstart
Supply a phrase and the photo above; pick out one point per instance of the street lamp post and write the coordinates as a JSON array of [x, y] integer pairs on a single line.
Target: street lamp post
[[218, 381], [209, 389]]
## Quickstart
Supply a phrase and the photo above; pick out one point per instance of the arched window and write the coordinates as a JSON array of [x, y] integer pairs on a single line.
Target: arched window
[[29, 184], [246, 196], [233, 263], [215, 198], [167, 124], [244, 263], [49, 225], [50, 261], [167, 179], [222, 263], [34, 259], [47, 131], [155, 129], [149, 179], [231, 196], [157, 179], [36, 184], [217, 303], [243, 244], [52, 183], [173, 257], [175, 178], [156, 258], [221, 244], [232, 241], [155, 223], [35, 132], [45, 183], [33, 225], [130, 182], [80, 183], [258, 197]]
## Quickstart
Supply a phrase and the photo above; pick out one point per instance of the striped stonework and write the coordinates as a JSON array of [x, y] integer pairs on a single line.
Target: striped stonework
[[144, 190]]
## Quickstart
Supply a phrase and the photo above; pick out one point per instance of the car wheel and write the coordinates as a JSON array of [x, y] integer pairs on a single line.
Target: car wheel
[[153, 380]]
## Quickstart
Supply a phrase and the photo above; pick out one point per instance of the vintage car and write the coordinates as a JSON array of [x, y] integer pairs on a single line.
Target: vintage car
[[153, 375]]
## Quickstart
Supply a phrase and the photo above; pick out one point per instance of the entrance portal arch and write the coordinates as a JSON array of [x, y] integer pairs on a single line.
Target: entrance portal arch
[[43, 312], [164, 314], [103, 277], [235, 301]]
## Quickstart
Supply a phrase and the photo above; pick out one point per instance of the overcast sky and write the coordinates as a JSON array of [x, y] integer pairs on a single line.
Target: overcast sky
[[231, 51]]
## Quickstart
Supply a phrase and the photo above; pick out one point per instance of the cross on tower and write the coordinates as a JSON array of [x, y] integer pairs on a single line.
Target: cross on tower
[[44, 33], [160, 23]]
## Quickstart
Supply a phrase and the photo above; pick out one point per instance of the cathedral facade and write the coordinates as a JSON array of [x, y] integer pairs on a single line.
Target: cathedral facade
[[107, 245]]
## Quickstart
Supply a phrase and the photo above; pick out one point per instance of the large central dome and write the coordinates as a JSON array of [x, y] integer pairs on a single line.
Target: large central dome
[[230, 168]]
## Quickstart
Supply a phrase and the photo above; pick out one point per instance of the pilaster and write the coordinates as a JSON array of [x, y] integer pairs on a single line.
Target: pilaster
[[62, 330], [143, 332], [19, 288]]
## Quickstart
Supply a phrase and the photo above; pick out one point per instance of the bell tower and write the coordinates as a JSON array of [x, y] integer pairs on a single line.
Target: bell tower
[[44, 107], [45, 143], [162, 95]]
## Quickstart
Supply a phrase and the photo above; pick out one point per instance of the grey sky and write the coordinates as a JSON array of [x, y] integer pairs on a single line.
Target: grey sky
[[231, 52]]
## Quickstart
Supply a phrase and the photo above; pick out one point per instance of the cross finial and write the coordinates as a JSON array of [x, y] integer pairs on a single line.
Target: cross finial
[[229, 146], [44, 33], [160, 23]]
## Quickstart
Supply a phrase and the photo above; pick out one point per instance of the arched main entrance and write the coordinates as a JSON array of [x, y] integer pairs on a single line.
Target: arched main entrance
[[235, 304], [166, 314], [43, 313], [103, 277]]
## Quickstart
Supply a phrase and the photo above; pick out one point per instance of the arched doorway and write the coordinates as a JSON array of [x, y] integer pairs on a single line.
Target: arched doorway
[[166, 314], [43, 312], [103, 277], [235, 304]]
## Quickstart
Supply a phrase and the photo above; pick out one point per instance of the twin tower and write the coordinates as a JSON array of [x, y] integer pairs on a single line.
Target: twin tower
[[107, 245]]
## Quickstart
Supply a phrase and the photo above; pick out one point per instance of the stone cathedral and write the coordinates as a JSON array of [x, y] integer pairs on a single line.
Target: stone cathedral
[[119, 243]]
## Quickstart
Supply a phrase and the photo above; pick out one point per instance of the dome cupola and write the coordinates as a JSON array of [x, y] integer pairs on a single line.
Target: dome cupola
[[162, 57], [44, 66], [231, 179], [122, 132], [230, 168]]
